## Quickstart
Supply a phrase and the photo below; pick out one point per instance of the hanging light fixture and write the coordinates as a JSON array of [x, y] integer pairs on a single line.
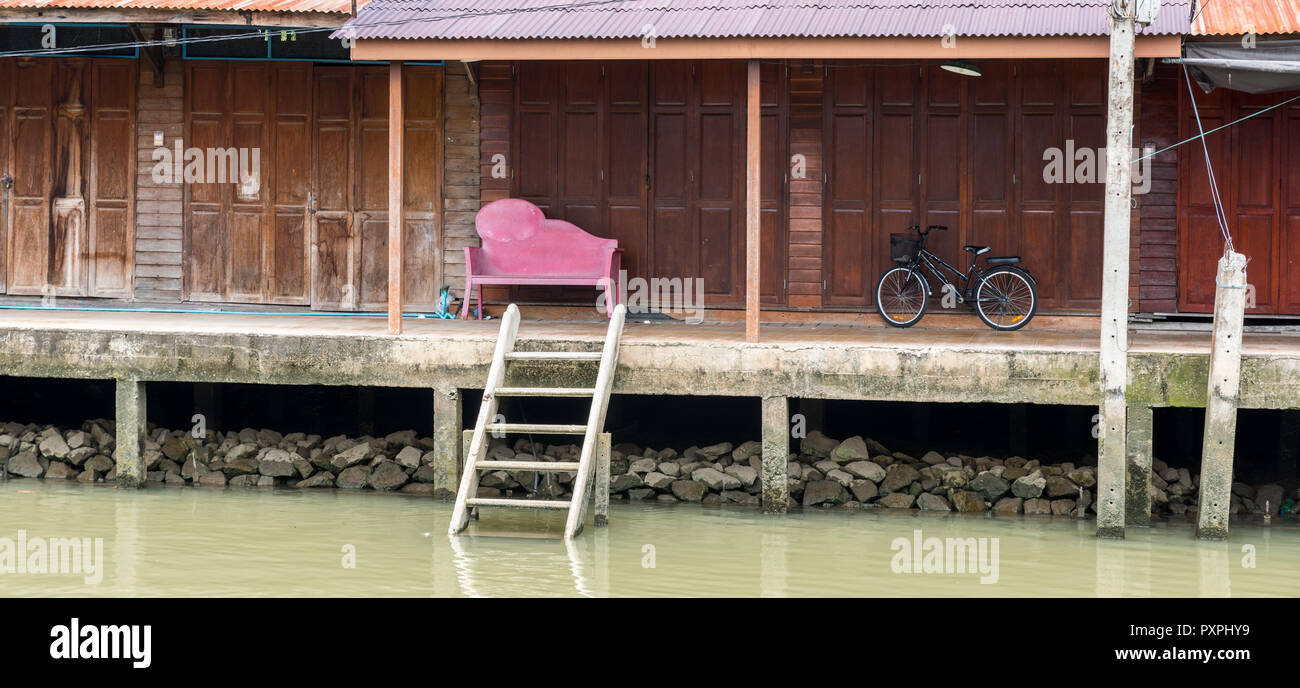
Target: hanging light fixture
[[961, 67]]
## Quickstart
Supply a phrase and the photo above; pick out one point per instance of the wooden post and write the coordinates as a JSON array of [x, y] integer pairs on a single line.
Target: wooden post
[[1112, 439], [1221, 398], [396, 129], [448, 422], [130, 431], [1137, 500], [753, 183], [776, 452]]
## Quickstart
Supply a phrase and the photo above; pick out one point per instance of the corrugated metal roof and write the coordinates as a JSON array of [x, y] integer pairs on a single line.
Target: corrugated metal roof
[[1240, 17], [623, 19], [330, 6]]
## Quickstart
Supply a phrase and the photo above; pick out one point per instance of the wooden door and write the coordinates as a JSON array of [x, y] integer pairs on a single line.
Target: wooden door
[[29, 199], [6, 95], [334, 243], [288, 243], [111, 198]]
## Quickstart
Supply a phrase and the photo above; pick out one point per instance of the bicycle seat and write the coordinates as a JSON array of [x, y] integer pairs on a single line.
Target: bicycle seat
[[977, 250], [1003, 260]]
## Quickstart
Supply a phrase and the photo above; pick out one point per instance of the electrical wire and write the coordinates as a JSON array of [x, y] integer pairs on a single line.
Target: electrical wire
[[1220, 214], [260, 33]]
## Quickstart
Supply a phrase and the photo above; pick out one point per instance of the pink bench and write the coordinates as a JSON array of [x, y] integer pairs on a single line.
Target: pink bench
[[521, 246]]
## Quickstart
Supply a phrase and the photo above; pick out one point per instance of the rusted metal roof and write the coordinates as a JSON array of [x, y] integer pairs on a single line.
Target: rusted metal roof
[[624, 19], [328, 6], [1240, 17]]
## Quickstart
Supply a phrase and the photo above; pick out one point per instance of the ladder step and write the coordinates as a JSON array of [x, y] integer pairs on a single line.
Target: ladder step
[[545, 391], [553, 356], [519, 503], [539, 429], [547, 466]]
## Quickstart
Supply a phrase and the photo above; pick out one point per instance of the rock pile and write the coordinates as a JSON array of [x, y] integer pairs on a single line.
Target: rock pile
[[825, 473]]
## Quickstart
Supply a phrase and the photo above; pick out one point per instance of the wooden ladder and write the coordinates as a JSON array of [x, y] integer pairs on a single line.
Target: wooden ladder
[[467, 496]]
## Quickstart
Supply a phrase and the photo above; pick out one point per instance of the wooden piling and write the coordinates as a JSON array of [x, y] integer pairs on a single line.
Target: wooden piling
[[131, 428], [1221, 399], [600, 491]]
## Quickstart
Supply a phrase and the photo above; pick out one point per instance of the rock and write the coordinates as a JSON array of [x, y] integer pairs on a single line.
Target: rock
[[1057, 487], [687, 490], [422, 489], [1271, 494], [388, 475], [1083, 477], [715, 479], [711, 500], [248, 480], [712, 452], [264, 481], [640, 494], [53, 446], [239, 467], [425, 474], [932, 502], [175, 448], [825, 466], [351, 457], [1037, 507], [78, 456], [625, 482], [863, 490], [867, 470], [840, 477], [354, 478], [658, 481], [850, 450], [951, 476], [898, 476], [740, 497], [747, 475], [969, 502], [933, 458], [400, 438], [77, 439], [322, 479], [25, 464], [60, 471], [897, 500], [241, 451], [212, 480], [670, 468], [409, 456], [876, 447], [818, 445], [1029, 486], [642, 466], [278, 463], [1062, 507], [746, 451], [98, 463], [990, 486], [824, 492], [1009, 505]]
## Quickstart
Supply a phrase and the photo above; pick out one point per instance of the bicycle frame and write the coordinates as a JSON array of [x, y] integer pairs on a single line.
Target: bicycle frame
[[926, 258]]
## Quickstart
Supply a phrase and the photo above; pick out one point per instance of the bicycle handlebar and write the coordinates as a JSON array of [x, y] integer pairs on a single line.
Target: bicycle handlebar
[[917, 229]]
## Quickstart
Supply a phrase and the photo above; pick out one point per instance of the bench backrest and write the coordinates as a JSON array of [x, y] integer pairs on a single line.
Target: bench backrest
[[519, 240]]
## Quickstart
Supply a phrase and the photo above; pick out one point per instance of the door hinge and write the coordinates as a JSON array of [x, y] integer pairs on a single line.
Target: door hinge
[[823, 285]]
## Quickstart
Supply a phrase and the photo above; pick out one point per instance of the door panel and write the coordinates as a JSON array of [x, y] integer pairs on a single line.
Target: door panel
[[30, 197]]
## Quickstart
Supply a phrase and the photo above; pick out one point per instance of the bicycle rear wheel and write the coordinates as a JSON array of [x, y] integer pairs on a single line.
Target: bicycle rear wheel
[[902, 295], [1006, 299]]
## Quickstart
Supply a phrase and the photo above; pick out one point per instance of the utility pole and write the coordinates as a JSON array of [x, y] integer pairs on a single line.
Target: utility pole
[[1112, 443]]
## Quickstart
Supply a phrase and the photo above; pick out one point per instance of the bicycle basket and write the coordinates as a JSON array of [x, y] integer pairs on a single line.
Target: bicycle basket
[[903, 247]]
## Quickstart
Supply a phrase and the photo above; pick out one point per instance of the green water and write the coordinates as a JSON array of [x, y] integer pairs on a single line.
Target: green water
[[201, 542]]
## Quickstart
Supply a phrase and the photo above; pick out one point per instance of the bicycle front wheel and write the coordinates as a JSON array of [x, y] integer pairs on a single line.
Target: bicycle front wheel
[[1006, 299], [902, 295]]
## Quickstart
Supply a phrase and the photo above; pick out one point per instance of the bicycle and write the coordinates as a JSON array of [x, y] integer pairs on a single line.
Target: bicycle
[[1005, 296]]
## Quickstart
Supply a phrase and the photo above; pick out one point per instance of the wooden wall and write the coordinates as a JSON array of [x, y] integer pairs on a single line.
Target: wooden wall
[[1158, 212], [159, 206]]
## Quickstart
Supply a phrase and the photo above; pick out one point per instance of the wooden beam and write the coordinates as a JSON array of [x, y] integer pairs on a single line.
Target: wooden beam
[[1112, 441], [753, 226], [396, 128], [152, 55], [968, 48]]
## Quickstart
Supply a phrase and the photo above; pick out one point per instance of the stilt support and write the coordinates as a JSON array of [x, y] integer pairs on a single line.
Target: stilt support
[[1137, 502], [130, 434], [1221, 399], [776, 451], [447, 426]]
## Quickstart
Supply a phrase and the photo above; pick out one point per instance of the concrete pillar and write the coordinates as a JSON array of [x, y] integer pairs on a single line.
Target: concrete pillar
[[1117, 230], [776, 450], [130, 433], [1221, 398], [1137, 501], [604, 444], [447, 456]]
